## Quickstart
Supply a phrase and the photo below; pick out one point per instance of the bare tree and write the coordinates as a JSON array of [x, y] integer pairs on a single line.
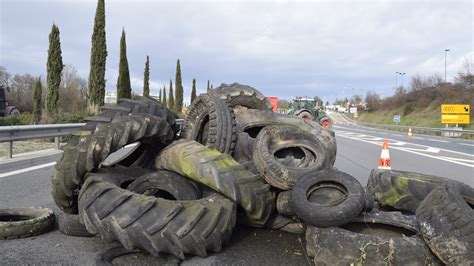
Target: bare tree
[[72, 91], [465, 75], [21, 92], [5, 77], [372, 99]]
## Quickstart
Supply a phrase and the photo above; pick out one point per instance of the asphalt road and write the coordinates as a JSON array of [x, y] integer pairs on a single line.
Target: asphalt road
[[358, 152]]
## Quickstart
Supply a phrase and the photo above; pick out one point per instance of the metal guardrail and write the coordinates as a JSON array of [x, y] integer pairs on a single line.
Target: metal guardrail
[[448, 132], [10, 134], [445, 132]]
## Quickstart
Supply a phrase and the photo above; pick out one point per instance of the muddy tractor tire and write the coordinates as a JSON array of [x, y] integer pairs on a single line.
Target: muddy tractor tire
[[378, 238], [154, 224], [446, 223], [211, 122], [223, 174], [87, 149], [237, 94], [167, 185], [404, 190]]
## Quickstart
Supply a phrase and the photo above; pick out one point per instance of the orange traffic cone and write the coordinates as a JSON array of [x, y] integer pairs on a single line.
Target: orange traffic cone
[[384, 161], [410, 135]]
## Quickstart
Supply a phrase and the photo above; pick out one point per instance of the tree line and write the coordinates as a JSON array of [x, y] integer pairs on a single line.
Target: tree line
[[64, 92]]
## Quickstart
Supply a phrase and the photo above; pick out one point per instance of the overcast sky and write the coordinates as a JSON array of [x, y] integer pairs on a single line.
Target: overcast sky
[[283, 49]]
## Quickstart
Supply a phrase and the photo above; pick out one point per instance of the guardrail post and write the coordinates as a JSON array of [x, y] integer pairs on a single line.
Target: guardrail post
[[9, 149], [57, 142]]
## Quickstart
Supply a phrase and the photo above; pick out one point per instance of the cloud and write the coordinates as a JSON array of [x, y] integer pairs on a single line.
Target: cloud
[[282, 48]]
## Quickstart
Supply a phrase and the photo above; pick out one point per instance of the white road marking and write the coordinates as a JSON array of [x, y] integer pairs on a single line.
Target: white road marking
[[32, 168], [437, 140], [466, 144], [419, 151]]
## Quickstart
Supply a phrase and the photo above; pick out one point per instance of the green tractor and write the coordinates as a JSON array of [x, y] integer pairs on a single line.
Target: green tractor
[[309, 109]]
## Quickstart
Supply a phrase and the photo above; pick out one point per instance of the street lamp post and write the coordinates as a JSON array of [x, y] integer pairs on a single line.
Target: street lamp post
[[396, 75], [402, 74], [445, 55]]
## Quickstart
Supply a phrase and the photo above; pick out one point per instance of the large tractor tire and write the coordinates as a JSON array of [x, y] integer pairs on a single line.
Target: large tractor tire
[[405, 190], [223, 174], [447, 224], [237, 94], [378, 238], [211, 122], [87, 149], [154, 224]]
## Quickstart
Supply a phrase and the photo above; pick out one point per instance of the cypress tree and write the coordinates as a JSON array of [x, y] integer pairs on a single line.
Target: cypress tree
[[159, 97], [124, 89], [164, 97], [171, 97], [54, 69], [193, 91], [146, 79], [208, 85], [179, 89], [37, 92], [212, 87], [96, 91]]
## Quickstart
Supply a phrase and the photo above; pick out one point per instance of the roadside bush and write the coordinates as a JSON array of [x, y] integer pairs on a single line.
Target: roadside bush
[[409, 108], [24, 119]]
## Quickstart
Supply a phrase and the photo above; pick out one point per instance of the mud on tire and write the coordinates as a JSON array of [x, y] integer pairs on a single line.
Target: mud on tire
[[274, 142], [376, 238], [25, 222], [447, 224], [405, 190], [70, 224], [86, 150], [237, 94], [222, 173], [154, 224]]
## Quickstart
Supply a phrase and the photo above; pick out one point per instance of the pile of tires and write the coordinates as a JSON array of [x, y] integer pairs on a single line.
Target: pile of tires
[[416, 219], [182, 188]]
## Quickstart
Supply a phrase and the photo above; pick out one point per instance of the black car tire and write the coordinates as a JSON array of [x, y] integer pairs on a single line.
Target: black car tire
[[25, 222], [327, 209]]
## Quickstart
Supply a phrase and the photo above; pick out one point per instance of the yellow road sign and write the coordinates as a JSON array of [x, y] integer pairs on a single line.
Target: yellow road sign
[[455, 108], [454, 119]]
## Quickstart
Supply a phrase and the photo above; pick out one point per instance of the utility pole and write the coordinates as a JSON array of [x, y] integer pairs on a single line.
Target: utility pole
[[445, 55]]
